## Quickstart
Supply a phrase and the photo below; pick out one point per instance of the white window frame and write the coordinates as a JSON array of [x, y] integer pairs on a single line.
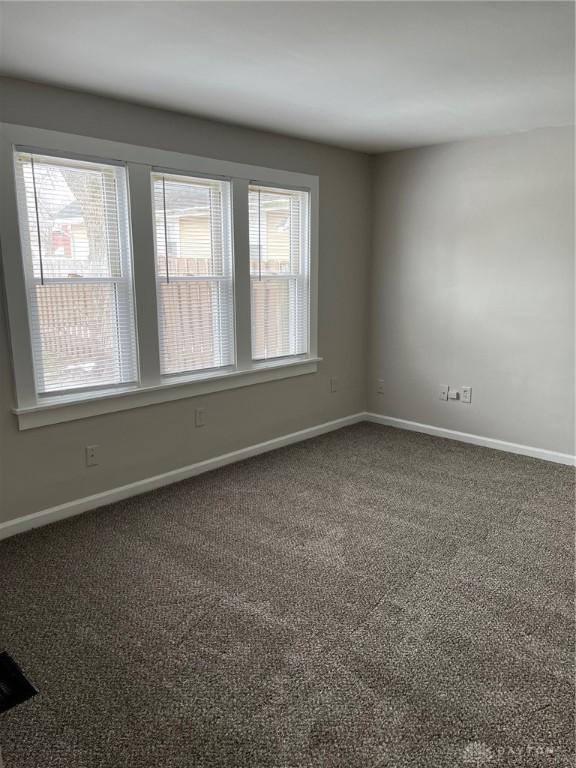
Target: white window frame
[[33, 411], [226, 279], [123, 286], [298, 279]]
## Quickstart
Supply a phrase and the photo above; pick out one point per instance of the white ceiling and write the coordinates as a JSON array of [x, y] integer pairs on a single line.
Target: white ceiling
[[367, 75]]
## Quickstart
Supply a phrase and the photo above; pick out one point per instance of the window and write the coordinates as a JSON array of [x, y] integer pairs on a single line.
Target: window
[[77, 266], [194, 273], [136, 275], [279, 267]]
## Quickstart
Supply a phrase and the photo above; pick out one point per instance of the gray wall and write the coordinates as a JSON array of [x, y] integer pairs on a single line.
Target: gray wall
[[470, 263], [44, 467], [473, 284]]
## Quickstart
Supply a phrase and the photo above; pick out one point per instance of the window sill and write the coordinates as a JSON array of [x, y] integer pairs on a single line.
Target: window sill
[[56, 410]]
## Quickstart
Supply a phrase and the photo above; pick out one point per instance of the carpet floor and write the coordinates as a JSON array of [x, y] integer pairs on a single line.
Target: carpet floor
[[368, 598]]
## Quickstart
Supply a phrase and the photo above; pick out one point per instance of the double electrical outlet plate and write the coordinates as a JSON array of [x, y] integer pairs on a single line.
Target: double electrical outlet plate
[[451, 393], [464, 395]]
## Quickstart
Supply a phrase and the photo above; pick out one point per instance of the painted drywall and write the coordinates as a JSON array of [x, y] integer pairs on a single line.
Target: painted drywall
[[371, 75], [454, 263], [473, 284], [45, 467]]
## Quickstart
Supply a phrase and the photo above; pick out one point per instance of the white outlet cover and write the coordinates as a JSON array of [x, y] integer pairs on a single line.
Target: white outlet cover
[[92, 456]]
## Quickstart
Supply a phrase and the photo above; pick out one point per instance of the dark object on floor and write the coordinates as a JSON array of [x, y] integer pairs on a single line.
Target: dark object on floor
[[367, 599], [15, 688]]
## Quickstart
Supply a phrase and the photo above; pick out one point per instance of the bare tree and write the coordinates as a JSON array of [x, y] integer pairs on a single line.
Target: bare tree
[[89, 193]]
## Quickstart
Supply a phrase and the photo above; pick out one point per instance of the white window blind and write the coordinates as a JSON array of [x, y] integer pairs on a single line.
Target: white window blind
[[194, 273], [279, 271], [77, 262]]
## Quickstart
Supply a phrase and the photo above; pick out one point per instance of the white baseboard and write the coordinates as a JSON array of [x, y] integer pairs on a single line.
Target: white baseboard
[[465, 437], [76, 507], [71, 508]]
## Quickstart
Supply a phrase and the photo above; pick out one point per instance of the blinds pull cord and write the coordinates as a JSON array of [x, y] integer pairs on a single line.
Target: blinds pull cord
[[259, 237], [37, 220], [165, 227]]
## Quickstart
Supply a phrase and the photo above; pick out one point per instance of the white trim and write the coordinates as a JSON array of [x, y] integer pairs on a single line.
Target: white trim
[[76, 507], [34, 411], [465, 437], [15, 279], [143, 267], [241, 247], [59, 409], [34, 139]]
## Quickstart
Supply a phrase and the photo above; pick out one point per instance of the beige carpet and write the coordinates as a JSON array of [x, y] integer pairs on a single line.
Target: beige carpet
[[368, 598]]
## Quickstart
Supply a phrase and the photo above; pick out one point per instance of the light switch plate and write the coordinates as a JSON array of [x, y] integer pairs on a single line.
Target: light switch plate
[[466, 394]]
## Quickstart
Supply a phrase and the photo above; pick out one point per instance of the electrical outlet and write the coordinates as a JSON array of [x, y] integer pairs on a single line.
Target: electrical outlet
[[334, 384], [380, 387], [92, 456], [466, 394], [443, 394], [199, 417]]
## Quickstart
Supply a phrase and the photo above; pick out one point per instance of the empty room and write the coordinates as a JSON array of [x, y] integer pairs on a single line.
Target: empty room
[[287, 384]]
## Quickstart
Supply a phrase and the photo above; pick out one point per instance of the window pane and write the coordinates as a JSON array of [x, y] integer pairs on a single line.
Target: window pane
[[77, 261], [78, 342], [279, 266], [190, 325], [190, 227], [72, 217], [194, 272], [270, 317]]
